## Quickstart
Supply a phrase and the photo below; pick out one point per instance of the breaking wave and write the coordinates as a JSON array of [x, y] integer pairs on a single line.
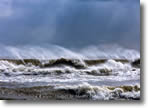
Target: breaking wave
[[83, 91], [65, 66], [102, 93]]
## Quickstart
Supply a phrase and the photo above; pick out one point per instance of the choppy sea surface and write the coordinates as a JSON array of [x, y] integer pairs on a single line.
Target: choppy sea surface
[[57, 73]]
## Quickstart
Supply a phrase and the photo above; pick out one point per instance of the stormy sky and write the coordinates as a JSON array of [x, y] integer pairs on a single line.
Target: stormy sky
[[70, 23]]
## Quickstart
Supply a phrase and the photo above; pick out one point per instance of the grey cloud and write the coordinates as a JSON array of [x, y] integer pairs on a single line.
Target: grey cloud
[[72, 23], [111, 22], [5, 8]]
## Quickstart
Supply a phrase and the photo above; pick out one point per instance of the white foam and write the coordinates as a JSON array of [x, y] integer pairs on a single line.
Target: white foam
[[101, 92], [118, 72]]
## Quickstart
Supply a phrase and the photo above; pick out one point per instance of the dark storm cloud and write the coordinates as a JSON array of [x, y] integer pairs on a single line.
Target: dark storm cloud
[[70, 23]]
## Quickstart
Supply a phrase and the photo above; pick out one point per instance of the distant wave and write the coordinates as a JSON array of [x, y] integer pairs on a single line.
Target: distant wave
[[76, 63], [98, 67]]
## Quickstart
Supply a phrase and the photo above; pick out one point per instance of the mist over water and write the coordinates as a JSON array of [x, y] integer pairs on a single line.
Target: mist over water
[[45, 52]]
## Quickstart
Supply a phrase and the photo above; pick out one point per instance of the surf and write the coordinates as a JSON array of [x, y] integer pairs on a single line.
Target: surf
[[92, 73]]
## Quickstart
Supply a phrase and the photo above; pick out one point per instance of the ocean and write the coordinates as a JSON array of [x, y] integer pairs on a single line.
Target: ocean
[[57, 73]]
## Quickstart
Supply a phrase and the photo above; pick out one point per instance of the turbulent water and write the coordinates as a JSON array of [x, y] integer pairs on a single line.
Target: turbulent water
[[93, 73]]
